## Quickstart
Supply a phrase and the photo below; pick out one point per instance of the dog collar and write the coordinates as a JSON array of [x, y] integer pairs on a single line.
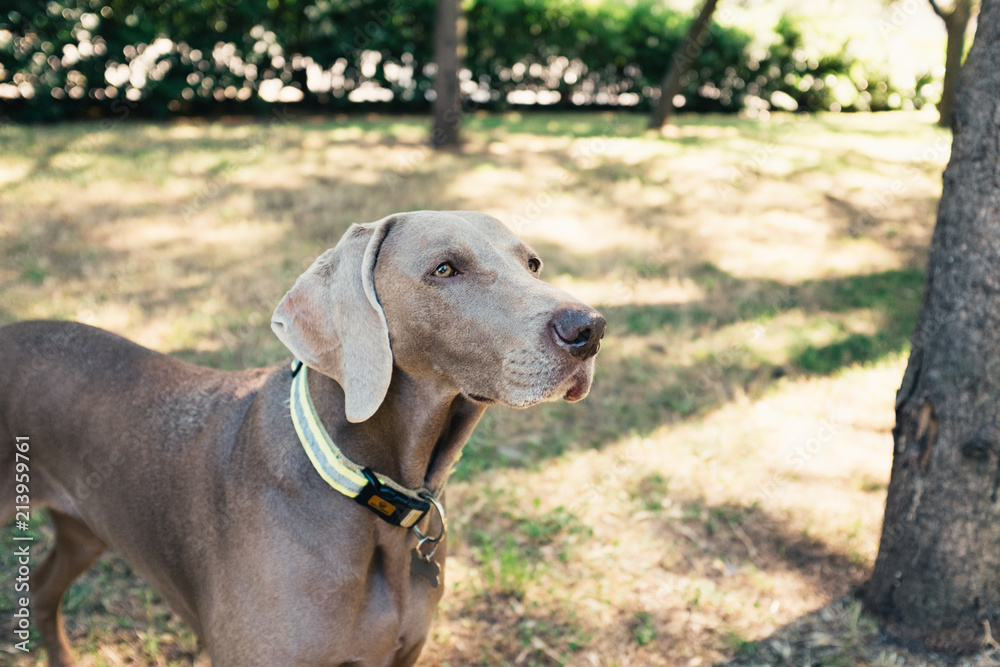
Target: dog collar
[[389, 501]]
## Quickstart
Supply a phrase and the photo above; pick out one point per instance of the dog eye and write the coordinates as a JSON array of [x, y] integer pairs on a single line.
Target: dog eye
[[445, 270], [535, 264]]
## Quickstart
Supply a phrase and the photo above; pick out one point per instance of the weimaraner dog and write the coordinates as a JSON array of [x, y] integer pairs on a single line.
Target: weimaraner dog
[[292, 517]]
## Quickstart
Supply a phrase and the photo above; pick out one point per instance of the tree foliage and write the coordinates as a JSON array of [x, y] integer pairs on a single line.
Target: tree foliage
[[94, 58]]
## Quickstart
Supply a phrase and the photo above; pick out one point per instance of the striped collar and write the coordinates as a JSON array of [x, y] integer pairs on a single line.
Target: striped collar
[[390, 501]]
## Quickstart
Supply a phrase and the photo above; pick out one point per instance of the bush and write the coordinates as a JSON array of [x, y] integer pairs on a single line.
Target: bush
[[88, 58]]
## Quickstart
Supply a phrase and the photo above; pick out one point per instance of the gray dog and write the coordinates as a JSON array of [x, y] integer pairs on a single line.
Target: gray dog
[[292, 515]]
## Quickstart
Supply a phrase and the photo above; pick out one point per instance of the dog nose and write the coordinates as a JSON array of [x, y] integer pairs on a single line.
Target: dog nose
[[579, 330]]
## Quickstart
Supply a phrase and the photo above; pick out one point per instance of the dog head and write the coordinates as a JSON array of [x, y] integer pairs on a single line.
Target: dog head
[[450, 294]]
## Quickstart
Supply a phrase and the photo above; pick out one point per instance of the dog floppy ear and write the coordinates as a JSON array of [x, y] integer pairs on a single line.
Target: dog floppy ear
[[332, 321]]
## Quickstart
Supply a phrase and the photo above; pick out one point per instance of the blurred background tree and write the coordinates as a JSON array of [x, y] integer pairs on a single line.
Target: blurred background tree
[[956, 22], [447, 57], [681, 61]]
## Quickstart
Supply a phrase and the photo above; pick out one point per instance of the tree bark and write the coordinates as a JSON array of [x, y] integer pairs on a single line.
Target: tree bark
[[688, 51], [956, 23], [447, 106], [937, 576]]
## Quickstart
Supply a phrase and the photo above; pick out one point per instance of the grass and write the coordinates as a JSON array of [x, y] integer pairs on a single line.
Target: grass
[[719, 492]]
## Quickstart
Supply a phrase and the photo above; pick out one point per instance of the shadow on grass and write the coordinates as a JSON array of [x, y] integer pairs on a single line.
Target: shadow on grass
[[747, 535], [841, 634], [837, 635], [893, 294]]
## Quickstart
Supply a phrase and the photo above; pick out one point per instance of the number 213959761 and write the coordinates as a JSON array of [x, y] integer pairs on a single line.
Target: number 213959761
[[21, 479]]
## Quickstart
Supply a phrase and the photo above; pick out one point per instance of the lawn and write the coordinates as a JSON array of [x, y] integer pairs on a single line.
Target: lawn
[[717, 497]]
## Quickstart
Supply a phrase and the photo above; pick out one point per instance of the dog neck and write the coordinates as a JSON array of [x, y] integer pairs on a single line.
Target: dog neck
[[415, 437]]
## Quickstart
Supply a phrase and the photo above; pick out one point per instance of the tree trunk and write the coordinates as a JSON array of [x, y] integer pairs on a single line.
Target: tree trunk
[[447, 103], [937, 576], [956, 23], [686, 54]]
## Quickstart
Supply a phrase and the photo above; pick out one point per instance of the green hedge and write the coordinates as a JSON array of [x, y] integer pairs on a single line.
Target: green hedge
[[93, 58]]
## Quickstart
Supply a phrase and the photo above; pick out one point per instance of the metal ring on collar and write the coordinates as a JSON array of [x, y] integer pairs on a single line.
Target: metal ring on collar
[[426, 495]]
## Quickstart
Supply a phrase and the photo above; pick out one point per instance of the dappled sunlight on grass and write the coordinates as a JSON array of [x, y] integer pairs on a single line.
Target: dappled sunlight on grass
[[796, 246], [726, 474]]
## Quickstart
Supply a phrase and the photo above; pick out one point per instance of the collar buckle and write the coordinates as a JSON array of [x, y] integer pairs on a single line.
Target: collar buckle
[[388, 504]]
